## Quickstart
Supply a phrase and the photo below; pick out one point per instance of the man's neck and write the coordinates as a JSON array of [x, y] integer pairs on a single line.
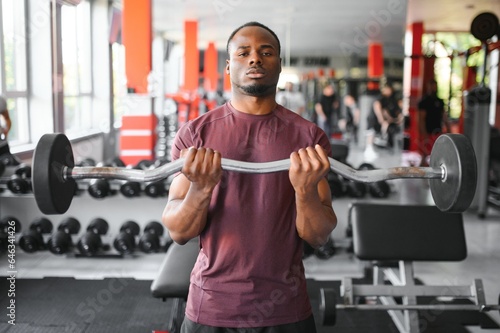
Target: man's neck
[[254, 105]]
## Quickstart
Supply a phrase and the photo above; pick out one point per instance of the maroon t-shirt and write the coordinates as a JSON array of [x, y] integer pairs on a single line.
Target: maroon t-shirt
[[249, 271]]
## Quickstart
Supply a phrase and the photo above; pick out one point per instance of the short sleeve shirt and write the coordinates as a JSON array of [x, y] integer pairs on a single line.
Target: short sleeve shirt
[[249, 271]]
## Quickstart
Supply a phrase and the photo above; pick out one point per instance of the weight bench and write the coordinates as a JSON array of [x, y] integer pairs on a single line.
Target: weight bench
[[392, 237], [172, 281]]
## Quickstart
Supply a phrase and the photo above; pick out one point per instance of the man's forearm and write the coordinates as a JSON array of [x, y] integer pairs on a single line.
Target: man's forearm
[[186, 218], [315, 219]]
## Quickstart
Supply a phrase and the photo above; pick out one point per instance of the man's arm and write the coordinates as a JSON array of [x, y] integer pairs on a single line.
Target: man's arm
[[185, 214], [315, 216], [319, 111]]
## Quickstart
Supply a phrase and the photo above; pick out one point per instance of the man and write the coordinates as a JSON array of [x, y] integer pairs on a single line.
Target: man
[[384, 121], [432, 118], [5, 155], [291, 99], [249, 275], [327, 109]]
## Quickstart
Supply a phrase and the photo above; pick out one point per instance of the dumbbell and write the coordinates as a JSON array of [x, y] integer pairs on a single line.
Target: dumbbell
[[61, 242], [91, 243], [20, 181], [10, 223], [32, 240], [99, 188], [325, 251], [354, 188], [155, 189], [125, 241], [337, 185], [86, 162], [9, 226], [150, 239], [380, 189], [132, 188]]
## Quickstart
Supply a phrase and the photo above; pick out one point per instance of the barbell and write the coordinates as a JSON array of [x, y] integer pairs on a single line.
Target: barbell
[[328, 302], [452, 172]]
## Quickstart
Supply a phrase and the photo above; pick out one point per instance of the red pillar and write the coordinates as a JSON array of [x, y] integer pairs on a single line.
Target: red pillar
[[191, 56], [137, 38], [375, 64], [211, 76], [412, 85], [138, 123]]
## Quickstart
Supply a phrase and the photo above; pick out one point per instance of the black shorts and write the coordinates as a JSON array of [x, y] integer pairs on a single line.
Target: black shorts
[[307, 325], [372, 122]]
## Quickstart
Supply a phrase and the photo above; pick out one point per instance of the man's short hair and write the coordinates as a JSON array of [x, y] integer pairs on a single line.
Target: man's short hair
[[253, 24]]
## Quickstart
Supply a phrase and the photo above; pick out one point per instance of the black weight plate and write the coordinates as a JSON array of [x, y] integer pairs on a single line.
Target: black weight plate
[[53, 193], [484, 26], [455, 153], [327, 306]]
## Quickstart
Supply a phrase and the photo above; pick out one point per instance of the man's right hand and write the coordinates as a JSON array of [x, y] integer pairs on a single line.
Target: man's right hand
[[202, 166]]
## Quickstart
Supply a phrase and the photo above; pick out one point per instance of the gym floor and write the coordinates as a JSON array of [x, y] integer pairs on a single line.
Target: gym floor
[[483, 243]]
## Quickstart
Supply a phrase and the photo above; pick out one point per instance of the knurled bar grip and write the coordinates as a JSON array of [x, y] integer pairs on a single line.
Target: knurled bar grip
[[166, 170]]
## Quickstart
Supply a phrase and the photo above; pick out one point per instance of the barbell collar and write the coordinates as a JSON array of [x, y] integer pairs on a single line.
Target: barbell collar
[[162, 172]]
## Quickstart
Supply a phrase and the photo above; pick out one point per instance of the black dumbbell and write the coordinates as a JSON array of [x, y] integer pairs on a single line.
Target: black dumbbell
[[380, 189], [150, 239], [155, 189], [99, 188], [20, 181], [61, 242], [144, 165], [337, 185], [125, 241], [91, 243], [130, 189], [115, 162], [325, 251], [9, 224], [32, 240], [86, 162]]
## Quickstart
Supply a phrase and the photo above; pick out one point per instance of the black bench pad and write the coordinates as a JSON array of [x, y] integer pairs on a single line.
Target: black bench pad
[[386, 232], [172, 280]]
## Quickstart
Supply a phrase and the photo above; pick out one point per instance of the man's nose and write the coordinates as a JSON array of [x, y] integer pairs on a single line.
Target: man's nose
[[255, 58]]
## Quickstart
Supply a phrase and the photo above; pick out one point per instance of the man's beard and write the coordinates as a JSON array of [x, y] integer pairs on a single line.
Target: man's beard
[[256, 89]]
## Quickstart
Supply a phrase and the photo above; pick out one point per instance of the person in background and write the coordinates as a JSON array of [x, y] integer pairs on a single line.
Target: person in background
[[327, 109], [249, 275], [352, 114], [6, 156], [384, 121], [432, 119], [291, 99]]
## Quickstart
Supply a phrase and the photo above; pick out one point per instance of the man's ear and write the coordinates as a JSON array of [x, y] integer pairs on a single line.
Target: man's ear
[[281, 64], [227, 66]]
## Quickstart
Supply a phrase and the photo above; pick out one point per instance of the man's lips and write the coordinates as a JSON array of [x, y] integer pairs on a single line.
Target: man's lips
[[255, 73]]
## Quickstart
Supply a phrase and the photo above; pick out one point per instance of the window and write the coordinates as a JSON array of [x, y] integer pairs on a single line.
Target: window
[[77, 67], [13, 68]]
